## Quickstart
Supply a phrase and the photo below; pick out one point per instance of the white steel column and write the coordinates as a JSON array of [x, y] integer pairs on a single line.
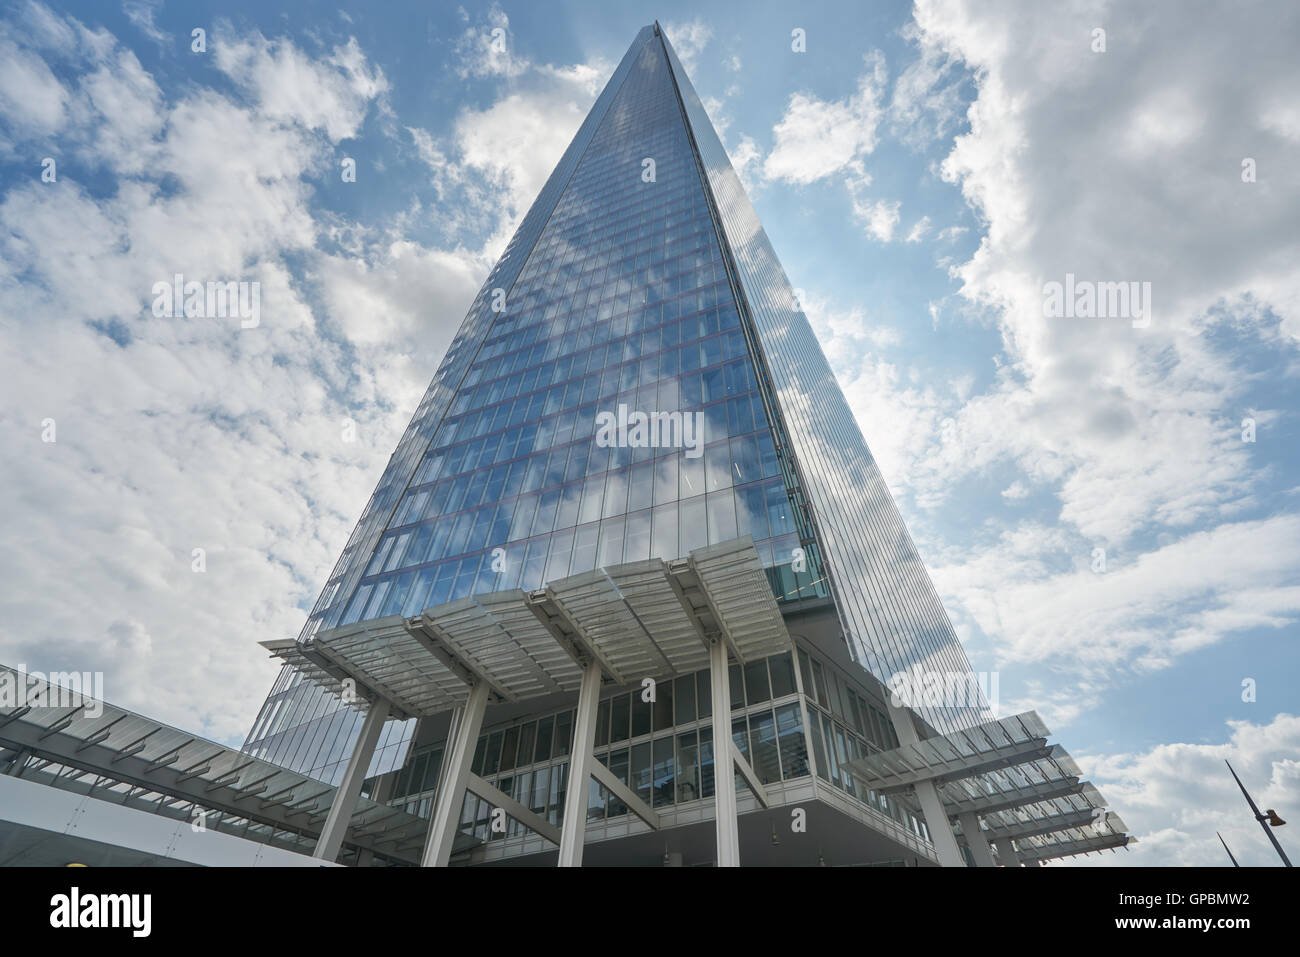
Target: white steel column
[[1007, 852], [724, 774], [581, 761], [975, 839], [466, 723], [349, 789], [927, 795]]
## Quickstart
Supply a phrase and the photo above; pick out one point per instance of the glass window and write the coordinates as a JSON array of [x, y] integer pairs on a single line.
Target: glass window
[[756, 687], [541, 786], [688, 767], [620, 708], [794, 748], [563, 733], [526, 735], [509, 747], [763, 747], [559, 775], [618, 766], [545, 728], [492, 759], [684, 699], [640, 714], [663, 705], [706, 762], [664, 768], [737, 687], [782, 669], [602, 724], [595, 801], [640, 771]]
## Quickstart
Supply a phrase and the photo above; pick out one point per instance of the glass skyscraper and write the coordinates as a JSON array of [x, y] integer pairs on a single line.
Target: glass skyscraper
[[640, 281]]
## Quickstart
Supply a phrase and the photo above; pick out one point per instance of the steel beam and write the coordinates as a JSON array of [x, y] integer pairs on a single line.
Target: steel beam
[[975, 840], [528, 818], [1007, 852], [349, 789], [581, 763], [724, 775], [927, 795], [625, 794], [466, 722]]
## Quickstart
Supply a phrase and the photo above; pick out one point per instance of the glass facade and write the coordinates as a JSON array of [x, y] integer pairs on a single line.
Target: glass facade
[[621, 295], [663, 750]]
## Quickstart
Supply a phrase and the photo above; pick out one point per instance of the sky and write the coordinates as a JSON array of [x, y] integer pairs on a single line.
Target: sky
[[1107, 530]]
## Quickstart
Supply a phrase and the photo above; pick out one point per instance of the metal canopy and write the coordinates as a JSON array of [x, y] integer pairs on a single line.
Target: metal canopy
[[1055, 775], [132, 755], [1106, 834], [1044, 817], [639, 619], [959, 754]]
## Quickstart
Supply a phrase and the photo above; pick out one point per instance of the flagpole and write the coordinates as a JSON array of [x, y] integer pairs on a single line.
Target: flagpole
[[1260, 817]]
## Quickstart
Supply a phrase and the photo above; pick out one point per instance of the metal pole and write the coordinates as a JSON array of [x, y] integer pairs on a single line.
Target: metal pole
[[349, 789], [724, 774], [456, 766], [1260, 817], [1225, 847], [975, 839], [574, 826]]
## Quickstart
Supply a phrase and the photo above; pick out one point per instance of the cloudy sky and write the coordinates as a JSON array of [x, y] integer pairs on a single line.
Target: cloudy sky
[[923, 170]]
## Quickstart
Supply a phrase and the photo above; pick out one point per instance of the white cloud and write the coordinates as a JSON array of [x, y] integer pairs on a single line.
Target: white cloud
[[878, 216], [918, 230], [331, 94], [487, 49], [31, 97], [154, 415], [689, 40], [1175, 796], [816, 138]]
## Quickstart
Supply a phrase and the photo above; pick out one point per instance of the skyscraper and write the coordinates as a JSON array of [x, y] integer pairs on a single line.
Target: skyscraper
[[635, 381]]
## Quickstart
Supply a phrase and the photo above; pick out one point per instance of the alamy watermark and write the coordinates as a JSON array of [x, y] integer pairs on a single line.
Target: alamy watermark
[[240, 300], [58, 689], [1085, 299], [943, 689], [657, 430]]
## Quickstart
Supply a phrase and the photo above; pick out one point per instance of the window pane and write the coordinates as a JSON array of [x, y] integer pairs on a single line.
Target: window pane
[[706, 762], [664, 779], [688, 767], [663, 705], [618, 764], [762, 736], [545, 728], [684, 699], [602, 724], [509, 747], [756, 687], [640, 715], [639, 771], [782, 669], [618, 721], [563, 733]]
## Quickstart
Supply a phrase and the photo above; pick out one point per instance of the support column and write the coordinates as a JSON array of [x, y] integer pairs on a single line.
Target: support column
[[17, 763], [975, 839], [724, 773], [1007, 852], [581, 760], [349, 789], [927, 795], [457, 761]]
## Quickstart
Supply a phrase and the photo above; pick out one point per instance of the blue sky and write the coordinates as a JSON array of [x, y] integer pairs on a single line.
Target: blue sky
[[922, 169]]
